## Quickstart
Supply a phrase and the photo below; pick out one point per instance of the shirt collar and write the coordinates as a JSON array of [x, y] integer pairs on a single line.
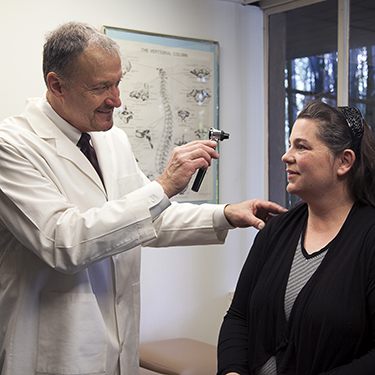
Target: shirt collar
[[69, 130]]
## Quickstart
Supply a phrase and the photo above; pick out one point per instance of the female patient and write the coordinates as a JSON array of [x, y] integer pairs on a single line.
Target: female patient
[[305, 299]]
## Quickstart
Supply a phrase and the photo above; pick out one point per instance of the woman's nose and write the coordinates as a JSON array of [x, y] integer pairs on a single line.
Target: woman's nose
[[287, 157]]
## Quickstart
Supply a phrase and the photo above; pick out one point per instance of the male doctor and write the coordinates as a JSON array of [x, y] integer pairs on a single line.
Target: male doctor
[[70, 232]]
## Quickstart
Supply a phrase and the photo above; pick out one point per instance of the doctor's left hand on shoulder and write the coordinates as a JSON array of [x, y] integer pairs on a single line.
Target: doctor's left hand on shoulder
[[254, 212]]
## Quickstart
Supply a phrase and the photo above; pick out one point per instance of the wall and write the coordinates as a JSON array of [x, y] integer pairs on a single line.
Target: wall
[[185, 291]]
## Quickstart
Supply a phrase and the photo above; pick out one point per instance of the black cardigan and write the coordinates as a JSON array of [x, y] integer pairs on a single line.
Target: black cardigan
[[331, 329]]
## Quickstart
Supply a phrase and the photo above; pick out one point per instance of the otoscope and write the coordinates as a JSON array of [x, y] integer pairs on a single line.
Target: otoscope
[[213, 135]]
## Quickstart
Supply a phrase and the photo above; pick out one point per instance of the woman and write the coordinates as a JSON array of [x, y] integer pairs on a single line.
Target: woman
[[305, 299]]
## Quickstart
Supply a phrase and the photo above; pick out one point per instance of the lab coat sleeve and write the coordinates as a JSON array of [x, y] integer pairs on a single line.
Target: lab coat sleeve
[[186, 224], [35, 212], [70, 234]]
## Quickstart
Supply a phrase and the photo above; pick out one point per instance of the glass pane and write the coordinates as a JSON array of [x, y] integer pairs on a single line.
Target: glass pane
[[362, 58], [310, 71]]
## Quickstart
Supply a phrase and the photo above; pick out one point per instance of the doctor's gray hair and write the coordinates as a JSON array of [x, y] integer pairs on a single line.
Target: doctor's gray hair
[[65, 44]]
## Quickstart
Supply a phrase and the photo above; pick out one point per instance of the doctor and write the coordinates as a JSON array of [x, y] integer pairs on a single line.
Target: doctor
[[70, 234]]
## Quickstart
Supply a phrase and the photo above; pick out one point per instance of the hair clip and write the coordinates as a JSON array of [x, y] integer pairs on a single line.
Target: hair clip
[[353, 117]]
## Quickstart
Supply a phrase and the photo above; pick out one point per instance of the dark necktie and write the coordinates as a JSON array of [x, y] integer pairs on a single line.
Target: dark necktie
[[88, 150]]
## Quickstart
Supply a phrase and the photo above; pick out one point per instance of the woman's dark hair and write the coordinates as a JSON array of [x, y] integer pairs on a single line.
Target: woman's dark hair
[[335, 132], [65, 44]]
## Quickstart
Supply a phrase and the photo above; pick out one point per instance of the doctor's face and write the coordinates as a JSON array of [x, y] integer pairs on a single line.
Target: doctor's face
[[93, 92]]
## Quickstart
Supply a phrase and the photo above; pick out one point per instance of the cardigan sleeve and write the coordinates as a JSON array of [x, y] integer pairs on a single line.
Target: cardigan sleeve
[[364, 365], [233, 337], [361, 366]]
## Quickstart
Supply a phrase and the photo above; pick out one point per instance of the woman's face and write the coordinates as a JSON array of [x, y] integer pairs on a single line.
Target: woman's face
[[311, 167]]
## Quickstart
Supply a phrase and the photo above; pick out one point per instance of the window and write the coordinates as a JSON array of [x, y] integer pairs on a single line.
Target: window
[[362, 58], [304, 53]]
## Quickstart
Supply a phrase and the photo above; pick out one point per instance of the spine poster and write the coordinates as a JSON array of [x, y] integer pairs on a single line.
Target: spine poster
[[169, 97]]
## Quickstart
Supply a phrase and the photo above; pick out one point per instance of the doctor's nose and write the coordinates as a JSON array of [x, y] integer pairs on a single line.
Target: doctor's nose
[[114, 97]]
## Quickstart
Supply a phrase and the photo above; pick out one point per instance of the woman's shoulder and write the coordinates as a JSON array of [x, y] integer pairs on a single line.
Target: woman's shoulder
[[359, 228], [363, 215], [287, 224], [295, 214]]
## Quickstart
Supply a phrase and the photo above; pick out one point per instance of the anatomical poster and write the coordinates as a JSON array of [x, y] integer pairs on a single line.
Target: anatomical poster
[[169, 95]]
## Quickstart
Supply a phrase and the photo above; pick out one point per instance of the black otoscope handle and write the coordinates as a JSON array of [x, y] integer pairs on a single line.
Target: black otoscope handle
[[216, 135], [198, 179]]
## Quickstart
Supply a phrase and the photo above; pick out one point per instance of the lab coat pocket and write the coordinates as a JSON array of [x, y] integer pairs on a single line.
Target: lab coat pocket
[[72, 335]]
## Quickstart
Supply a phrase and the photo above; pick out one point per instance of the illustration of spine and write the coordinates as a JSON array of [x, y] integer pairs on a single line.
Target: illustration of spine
[[162, 153]]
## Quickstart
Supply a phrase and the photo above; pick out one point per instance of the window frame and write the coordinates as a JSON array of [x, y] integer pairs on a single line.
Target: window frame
[[274, 193]]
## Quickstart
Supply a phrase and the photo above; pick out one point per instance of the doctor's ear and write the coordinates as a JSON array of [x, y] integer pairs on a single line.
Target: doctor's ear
[[55, 85], [347, 160]]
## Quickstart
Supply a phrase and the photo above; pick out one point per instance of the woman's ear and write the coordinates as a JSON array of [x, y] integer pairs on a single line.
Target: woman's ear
[[346, 162]]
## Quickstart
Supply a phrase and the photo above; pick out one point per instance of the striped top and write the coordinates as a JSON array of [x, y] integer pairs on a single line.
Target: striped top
[[303, 267]]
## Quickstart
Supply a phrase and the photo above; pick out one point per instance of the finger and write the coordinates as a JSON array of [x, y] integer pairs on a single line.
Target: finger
[[201, 155], [276, 209], [260, 225], [208, 146], [207, 142], [271, 207], [255, 222]]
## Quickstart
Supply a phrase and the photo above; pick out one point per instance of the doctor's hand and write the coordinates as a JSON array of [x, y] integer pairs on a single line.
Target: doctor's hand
[[255, 212], [183, 163]]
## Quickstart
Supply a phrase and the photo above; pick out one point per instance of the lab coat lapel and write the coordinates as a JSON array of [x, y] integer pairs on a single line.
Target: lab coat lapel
[[105, 158], [68, 150], [65, 148]]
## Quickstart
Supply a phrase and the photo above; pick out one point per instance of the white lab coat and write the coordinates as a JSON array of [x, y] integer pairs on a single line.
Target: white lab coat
[[70, 249]]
